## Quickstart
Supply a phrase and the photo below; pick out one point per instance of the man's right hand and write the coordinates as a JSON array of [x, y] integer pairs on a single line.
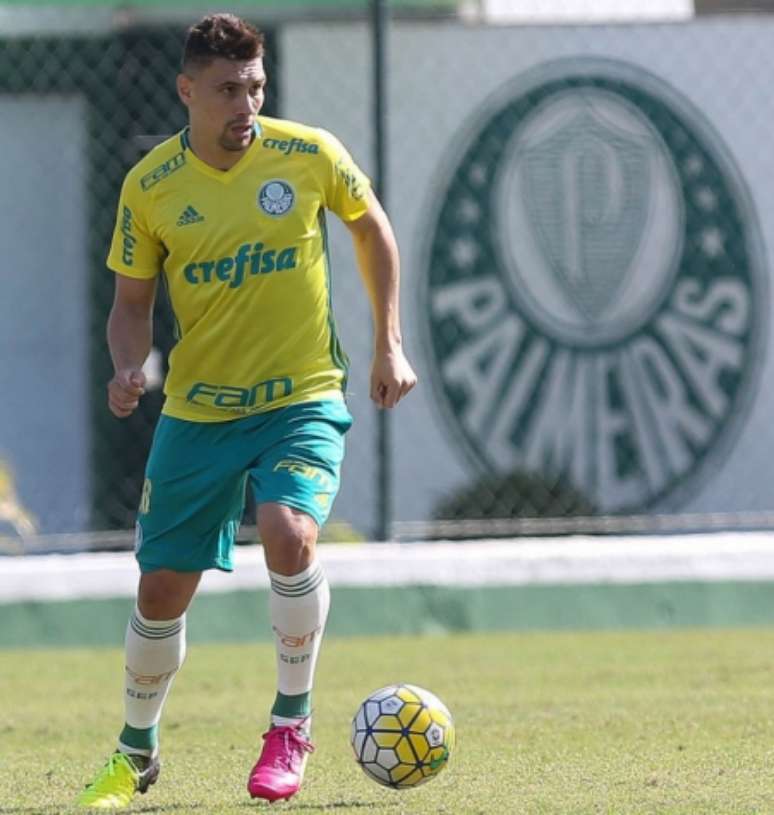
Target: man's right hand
[[124, 391]]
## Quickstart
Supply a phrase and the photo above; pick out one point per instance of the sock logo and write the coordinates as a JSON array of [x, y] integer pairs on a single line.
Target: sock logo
[[295, 660], [149, 679], [294, 641], [135, 694]]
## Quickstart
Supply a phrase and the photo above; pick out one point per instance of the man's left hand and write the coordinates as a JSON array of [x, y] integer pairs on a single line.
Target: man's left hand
[[392, 377]]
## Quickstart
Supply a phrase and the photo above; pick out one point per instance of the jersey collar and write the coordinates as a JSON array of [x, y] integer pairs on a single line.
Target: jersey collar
[[225, 176]]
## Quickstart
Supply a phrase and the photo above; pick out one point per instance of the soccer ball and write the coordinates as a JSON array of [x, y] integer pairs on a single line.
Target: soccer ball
[[402, 736]]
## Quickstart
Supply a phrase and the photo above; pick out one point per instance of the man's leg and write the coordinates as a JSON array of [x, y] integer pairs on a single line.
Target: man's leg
[[192, 500], [155, 650], [298, 607], [295, 483]]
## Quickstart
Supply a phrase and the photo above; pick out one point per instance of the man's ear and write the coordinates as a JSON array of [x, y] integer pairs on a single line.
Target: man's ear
[[184, 88]]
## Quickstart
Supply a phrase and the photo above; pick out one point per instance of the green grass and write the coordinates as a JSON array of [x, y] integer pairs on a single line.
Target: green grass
[[632, 722]]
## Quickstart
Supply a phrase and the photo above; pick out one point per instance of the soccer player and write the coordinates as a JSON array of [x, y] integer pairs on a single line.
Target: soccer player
[[232, 212]]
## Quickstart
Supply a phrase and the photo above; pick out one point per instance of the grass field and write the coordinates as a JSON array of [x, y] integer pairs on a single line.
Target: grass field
[[660, 722]]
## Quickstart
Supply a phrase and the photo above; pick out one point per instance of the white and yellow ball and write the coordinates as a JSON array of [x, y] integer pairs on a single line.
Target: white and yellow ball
[[402, 736]]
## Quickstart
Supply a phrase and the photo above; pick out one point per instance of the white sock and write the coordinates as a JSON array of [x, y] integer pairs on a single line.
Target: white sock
[[298, 607], [155, 650]]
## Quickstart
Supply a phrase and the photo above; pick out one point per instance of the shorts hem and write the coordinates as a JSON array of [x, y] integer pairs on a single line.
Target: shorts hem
[[300, 506], [147, 568]]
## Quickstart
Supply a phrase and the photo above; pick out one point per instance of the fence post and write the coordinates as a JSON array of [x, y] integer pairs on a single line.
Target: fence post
[[379, 22]]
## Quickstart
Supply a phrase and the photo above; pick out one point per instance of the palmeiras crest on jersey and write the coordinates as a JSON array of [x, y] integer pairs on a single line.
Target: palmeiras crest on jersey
[[595, 286], [276, 197]]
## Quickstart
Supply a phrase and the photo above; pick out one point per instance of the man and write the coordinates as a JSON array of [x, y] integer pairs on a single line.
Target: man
[[232, 212]]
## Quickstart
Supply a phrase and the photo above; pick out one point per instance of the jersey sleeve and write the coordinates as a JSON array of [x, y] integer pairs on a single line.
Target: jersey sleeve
[[347, 185], [134, 251]]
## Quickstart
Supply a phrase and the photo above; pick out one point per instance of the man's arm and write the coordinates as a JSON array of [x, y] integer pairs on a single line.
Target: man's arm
[[379, 263], [130, 336]]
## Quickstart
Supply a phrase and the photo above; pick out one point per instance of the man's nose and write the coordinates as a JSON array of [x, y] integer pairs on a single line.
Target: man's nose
[[246, 105]]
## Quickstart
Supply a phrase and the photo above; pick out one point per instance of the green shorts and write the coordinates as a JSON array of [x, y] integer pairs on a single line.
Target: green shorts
[[195, 479]]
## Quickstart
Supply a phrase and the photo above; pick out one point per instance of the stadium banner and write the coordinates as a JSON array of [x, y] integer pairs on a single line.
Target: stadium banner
[[584, 216]]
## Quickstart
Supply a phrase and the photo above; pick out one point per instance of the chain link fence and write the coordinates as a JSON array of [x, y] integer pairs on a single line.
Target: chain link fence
[[583, 213]]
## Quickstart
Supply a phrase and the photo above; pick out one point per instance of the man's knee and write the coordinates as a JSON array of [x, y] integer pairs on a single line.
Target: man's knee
[[165, 595], [289, 538]]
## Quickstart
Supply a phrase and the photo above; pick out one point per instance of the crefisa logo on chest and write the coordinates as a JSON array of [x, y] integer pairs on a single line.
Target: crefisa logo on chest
[[276, 197], [595, 286]]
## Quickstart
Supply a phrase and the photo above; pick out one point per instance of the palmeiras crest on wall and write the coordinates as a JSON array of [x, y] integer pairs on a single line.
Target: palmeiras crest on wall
[[594, 286]]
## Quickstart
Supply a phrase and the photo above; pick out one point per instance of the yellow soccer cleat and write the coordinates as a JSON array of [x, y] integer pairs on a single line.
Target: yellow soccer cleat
[[119, 780]]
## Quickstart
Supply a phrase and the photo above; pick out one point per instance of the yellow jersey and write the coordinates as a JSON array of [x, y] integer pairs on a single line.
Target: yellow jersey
[[245, 258]]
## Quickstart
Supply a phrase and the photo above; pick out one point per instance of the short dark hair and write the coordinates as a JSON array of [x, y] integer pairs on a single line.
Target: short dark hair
[[220, 35]]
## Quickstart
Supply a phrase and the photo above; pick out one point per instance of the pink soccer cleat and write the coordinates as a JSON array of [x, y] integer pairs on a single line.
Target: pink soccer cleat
[[280, 769]]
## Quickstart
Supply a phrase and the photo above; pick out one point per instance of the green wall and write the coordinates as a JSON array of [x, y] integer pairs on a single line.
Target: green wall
[[242, 615]]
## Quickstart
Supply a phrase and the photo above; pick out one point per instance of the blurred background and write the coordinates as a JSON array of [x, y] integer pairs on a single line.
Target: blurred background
[[582, 195]]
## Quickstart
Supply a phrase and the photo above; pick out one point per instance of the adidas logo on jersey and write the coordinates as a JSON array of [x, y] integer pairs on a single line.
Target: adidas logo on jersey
[[189, 216]]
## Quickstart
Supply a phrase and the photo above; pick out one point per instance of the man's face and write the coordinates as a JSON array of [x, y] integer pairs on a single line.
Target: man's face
[[223, 100]]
